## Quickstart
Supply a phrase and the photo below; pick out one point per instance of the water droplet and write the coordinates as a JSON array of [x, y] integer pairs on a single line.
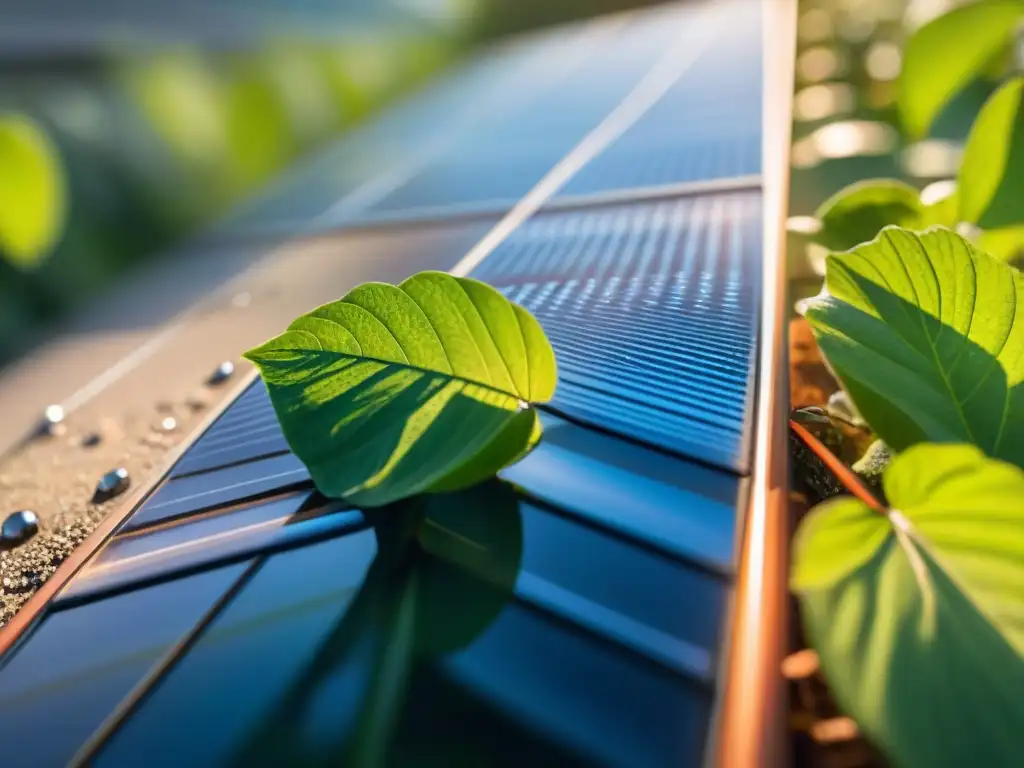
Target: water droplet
[[221, 373], [112, 484], [19, 526], [52, 423]]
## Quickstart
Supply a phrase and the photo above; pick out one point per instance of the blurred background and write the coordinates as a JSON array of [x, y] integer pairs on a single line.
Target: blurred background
[[127, 126], [845, 121]]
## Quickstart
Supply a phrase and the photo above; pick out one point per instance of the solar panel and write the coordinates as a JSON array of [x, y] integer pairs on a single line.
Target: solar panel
[[707, 126], [587, 624]]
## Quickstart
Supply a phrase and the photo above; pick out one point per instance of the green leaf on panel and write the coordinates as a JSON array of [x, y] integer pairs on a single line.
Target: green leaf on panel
[[991, 180], [424, 387], [856, 213], [927, 336], [917, 614], [947, 54], [32, 192]]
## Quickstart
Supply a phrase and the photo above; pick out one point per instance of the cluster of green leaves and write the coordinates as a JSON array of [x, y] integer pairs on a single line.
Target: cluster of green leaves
[[422, 387], [916, 604], [917, 609], [940, 59], [916, 612]]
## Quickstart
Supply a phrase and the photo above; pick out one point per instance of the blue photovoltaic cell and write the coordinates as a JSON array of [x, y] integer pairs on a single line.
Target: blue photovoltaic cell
[[80, 663], [501, 158], [652, 310], [398, 141], [707, 126]]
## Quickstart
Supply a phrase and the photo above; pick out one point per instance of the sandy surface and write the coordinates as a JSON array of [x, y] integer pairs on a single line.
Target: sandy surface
[[56, 476]]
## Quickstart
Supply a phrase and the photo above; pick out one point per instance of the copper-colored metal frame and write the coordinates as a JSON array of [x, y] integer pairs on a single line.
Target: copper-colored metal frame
[[36, 606], [751, 719]]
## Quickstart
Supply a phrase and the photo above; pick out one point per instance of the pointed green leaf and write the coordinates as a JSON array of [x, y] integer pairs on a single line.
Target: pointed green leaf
[[856, 213], [32, 191], [918, 615], [992, 172], [394, 391], [927, 336], [946, 54]]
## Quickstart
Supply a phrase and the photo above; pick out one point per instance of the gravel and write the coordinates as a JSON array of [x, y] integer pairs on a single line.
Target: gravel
[[24, 569], [56, 477]]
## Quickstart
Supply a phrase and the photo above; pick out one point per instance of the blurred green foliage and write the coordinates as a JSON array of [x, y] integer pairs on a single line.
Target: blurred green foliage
[[107, 160], [31, 191], [886, 95], [949, 52]]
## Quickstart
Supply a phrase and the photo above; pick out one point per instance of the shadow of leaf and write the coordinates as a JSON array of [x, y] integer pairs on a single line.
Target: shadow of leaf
[[373, 432]]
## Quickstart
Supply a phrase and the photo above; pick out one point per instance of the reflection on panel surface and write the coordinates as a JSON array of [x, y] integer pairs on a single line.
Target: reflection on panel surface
[[680, 508], [534, 630], [80, 663]]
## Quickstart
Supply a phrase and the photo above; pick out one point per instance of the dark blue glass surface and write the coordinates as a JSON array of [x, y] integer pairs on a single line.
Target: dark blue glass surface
[[684, 509], [247, 659], [481, 631], [78, 666]]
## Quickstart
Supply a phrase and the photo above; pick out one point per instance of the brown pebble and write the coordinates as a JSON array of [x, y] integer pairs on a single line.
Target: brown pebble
[[834, 730], [800, 665]]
